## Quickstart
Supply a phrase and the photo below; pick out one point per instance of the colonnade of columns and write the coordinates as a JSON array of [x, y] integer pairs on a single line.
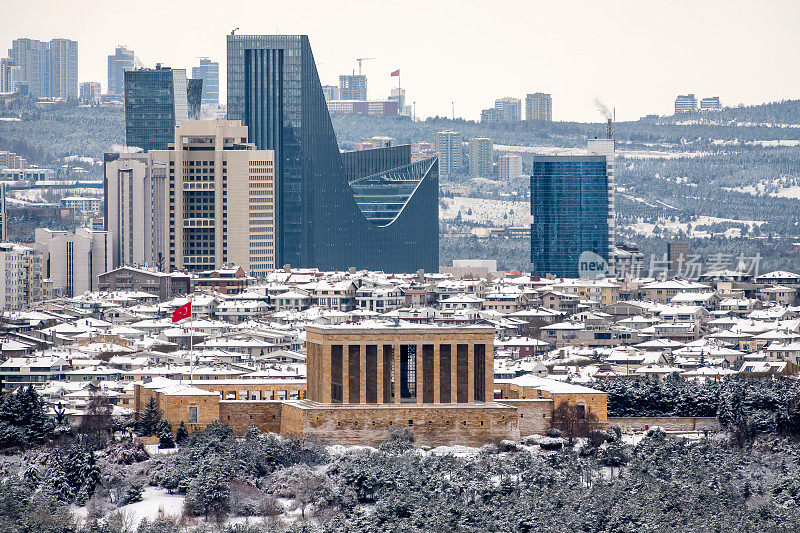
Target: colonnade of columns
[[381, 373]]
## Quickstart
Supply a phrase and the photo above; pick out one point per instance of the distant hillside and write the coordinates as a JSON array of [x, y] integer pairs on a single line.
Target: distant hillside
[[783, 112], [43, 135]]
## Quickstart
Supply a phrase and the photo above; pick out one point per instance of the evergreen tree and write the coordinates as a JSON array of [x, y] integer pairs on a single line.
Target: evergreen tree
[[181, 434], [150, 418], [164, 434]]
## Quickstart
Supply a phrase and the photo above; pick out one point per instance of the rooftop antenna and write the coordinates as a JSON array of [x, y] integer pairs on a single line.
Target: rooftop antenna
[[453, 108]]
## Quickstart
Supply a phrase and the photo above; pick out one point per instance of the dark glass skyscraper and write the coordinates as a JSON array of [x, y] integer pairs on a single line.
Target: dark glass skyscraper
[[274, 89], [570, 204], [155, 102]]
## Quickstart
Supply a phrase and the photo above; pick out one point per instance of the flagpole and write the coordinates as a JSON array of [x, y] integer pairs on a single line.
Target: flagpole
[[191, 338]]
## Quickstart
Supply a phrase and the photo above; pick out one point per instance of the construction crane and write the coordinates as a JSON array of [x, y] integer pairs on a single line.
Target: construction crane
[[360, 59]]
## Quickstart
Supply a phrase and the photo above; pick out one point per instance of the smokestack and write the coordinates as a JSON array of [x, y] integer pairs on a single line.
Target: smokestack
[[610, 129]]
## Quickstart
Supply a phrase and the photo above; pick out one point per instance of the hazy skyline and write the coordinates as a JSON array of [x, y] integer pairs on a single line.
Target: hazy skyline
[[633, 55]]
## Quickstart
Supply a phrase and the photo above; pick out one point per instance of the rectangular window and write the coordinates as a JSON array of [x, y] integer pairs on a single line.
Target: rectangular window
[[193, 414]]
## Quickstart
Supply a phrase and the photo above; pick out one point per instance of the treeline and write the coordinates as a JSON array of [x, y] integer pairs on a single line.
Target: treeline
[[754, 406]]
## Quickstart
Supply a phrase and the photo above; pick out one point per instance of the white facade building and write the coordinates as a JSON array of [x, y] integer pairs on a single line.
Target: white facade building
[[74, 261]]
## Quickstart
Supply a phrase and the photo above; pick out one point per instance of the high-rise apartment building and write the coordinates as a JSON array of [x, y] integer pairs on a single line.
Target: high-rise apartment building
[[539, 107], [9, 74], [220, 198], [21, 278], [352, 87], [685, 103], [509, 166], [386, 220], [156, 101], [73, 261], [12, 160], [3, 221], [480, 157], [208, 71], [508, 109], [63, 69], [331, 92], [90, 92], [450, 149], [711, 103], [572, 204], [122, 60], [46, 70]]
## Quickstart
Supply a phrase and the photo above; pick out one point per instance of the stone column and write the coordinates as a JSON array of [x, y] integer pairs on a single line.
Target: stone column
[[489, 364], [436, 383], [454, 373], [379, 374], [345, 373], [471, 372], [419, 374], [397, 373], [325, 372], [362, 365]]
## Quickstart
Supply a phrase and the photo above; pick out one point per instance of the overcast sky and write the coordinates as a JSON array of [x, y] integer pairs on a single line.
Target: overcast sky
[[633, 55]]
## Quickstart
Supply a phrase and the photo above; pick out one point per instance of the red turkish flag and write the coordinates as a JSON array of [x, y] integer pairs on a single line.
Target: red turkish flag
[[396, 72], [184, 311]]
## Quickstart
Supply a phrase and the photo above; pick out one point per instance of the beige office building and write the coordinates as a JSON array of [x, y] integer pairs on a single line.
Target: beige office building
[[219, 198]]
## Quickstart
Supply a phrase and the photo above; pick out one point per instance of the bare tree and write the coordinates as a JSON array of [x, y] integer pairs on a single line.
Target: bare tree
[[574, 420]]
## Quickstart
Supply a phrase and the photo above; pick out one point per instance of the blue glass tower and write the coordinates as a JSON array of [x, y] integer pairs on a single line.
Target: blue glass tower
[[155, 102], [570, 204], [274, 89]]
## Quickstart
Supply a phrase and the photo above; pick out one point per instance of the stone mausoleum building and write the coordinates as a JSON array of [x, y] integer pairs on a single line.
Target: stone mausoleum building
[[364, 380]]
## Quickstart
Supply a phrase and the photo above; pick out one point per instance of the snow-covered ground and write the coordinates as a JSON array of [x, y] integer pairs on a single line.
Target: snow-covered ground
[[486, 211], [783, 189], [646, 228], [629, 154]]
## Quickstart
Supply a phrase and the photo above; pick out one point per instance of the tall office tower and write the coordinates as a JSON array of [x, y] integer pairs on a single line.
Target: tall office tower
[[685, 103], [194, 97], [677, 255], [539, 107], [331, 92], [3, 234], [63, 69], [90, 92], [572, 205], [353, 87], [135, 216], [73, 261], [450, 150], [710, 104], [122, 60], [382, 220], [21, 282], [508, 109], [208, 71], [156, 101], [480, 159], [510, 166], [220, 195]]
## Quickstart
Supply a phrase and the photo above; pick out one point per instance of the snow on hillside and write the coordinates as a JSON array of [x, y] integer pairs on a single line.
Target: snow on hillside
[[485, 211], [646, 228]]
